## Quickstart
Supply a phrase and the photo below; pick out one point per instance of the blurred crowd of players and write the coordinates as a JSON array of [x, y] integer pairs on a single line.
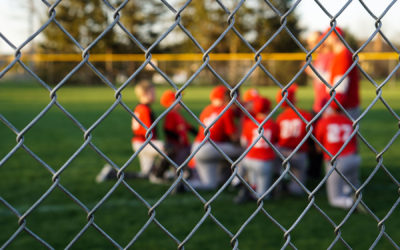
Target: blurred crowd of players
[[272, 148]]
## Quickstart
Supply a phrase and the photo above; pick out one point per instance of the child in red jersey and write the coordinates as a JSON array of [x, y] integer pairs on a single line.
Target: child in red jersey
[[247, 101], [223, 132], [292, 130], [259, 161], [145, 93], [176, 129], [333, 131]]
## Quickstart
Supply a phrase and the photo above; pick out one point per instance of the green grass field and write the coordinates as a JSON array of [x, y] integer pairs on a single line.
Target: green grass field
[[57, 220]]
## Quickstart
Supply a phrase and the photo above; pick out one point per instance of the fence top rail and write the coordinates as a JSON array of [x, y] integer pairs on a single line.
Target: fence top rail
[[365, 56]]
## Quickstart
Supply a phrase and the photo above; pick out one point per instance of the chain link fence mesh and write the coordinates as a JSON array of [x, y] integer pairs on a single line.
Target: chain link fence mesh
[[23, 216]]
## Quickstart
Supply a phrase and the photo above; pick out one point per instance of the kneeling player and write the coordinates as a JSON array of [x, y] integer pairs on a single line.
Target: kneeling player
[[333, 131], [145, 93], [259, 161], [223, 132], [292, 130], [176, 129]]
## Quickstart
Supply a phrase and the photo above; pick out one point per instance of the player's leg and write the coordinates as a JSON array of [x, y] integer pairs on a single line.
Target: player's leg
[[351, 165], [334, 187], [147, 155], [298, 168], [262, 171], [207, 162], [244, 193]]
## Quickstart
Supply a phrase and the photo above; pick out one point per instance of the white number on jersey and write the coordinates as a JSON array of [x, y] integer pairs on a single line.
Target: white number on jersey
[[262, 143], [339, 133], [290, 128]]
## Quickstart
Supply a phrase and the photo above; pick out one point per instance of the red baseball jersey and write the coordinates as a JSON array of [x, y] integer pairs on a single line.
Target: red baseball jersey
[[333, 131], [347, 93], [261, 150], [146, 116], [222, 129], [292, 129], [177, 125]]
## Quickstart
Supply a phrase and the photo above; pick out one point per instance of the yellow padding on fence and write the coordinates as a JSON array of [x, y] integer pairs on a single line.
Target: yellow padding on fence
[[367, 56]]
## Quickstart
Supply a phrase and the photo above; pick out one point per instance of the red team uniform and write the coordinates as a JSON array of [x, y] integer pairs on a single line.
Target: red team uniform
[[259, 161], [332, 132], [209, 161], [223, 128], [145, 115], [148, 153], [292, 129], [261, 150], [176, 128]]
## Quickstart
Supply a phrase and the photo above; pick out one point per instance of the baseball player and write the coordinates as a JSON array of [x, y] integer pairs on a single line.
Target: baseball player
[[292, 130], [145, 93], [176, 130], [332, 131], [322, 64], [259, 161], [247, 101], [223, 132]]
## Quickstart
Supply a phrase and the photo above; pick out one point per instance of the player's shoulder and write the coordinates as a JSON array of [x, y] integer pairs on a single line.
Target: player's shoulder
[[142, 107], [171, 115]]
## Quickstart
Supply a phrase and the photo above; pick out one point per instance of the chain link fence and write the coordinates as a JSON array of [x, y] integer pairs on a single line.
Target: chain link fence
[[23, 216]]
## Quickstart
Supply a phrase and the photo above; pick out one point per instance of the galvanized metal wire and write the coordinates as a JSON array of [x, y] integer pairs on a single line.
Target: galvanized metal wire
[[22, 216]]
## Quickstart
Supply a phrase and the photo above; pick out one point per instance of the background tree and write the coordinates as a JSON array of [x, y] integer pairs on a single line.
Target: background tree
[[147, 20], [256, 21]]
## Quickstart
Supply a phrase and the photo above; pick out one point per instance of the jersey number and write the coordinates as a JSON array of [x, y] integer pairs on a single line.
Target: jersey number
[[338, 133], [290, 128]]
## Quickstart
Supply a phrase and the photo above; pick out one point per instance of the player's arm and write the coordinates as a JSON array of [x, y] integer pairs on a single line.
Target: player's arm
[[340, 69], [145, 117]]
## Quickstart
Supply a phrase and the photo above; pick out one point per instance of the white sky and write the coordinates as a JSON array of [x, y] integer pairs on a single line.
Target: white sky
[[15, 22]]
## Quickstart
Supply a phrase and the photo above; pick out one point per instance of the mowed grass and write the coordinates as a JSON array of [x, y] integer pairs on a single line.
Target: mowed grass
[[57, 220]]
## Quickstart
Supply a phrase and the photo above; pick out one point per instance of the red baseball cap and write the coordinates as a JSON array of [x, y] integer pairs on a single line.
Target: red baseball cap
[[250, 94], [167, 98], [218, 93], [261, 105], [291, 95]]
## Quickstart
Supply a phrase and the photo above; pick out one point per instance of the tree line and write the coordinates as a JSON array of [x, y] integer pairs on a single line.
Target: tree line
[[148, 20]]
